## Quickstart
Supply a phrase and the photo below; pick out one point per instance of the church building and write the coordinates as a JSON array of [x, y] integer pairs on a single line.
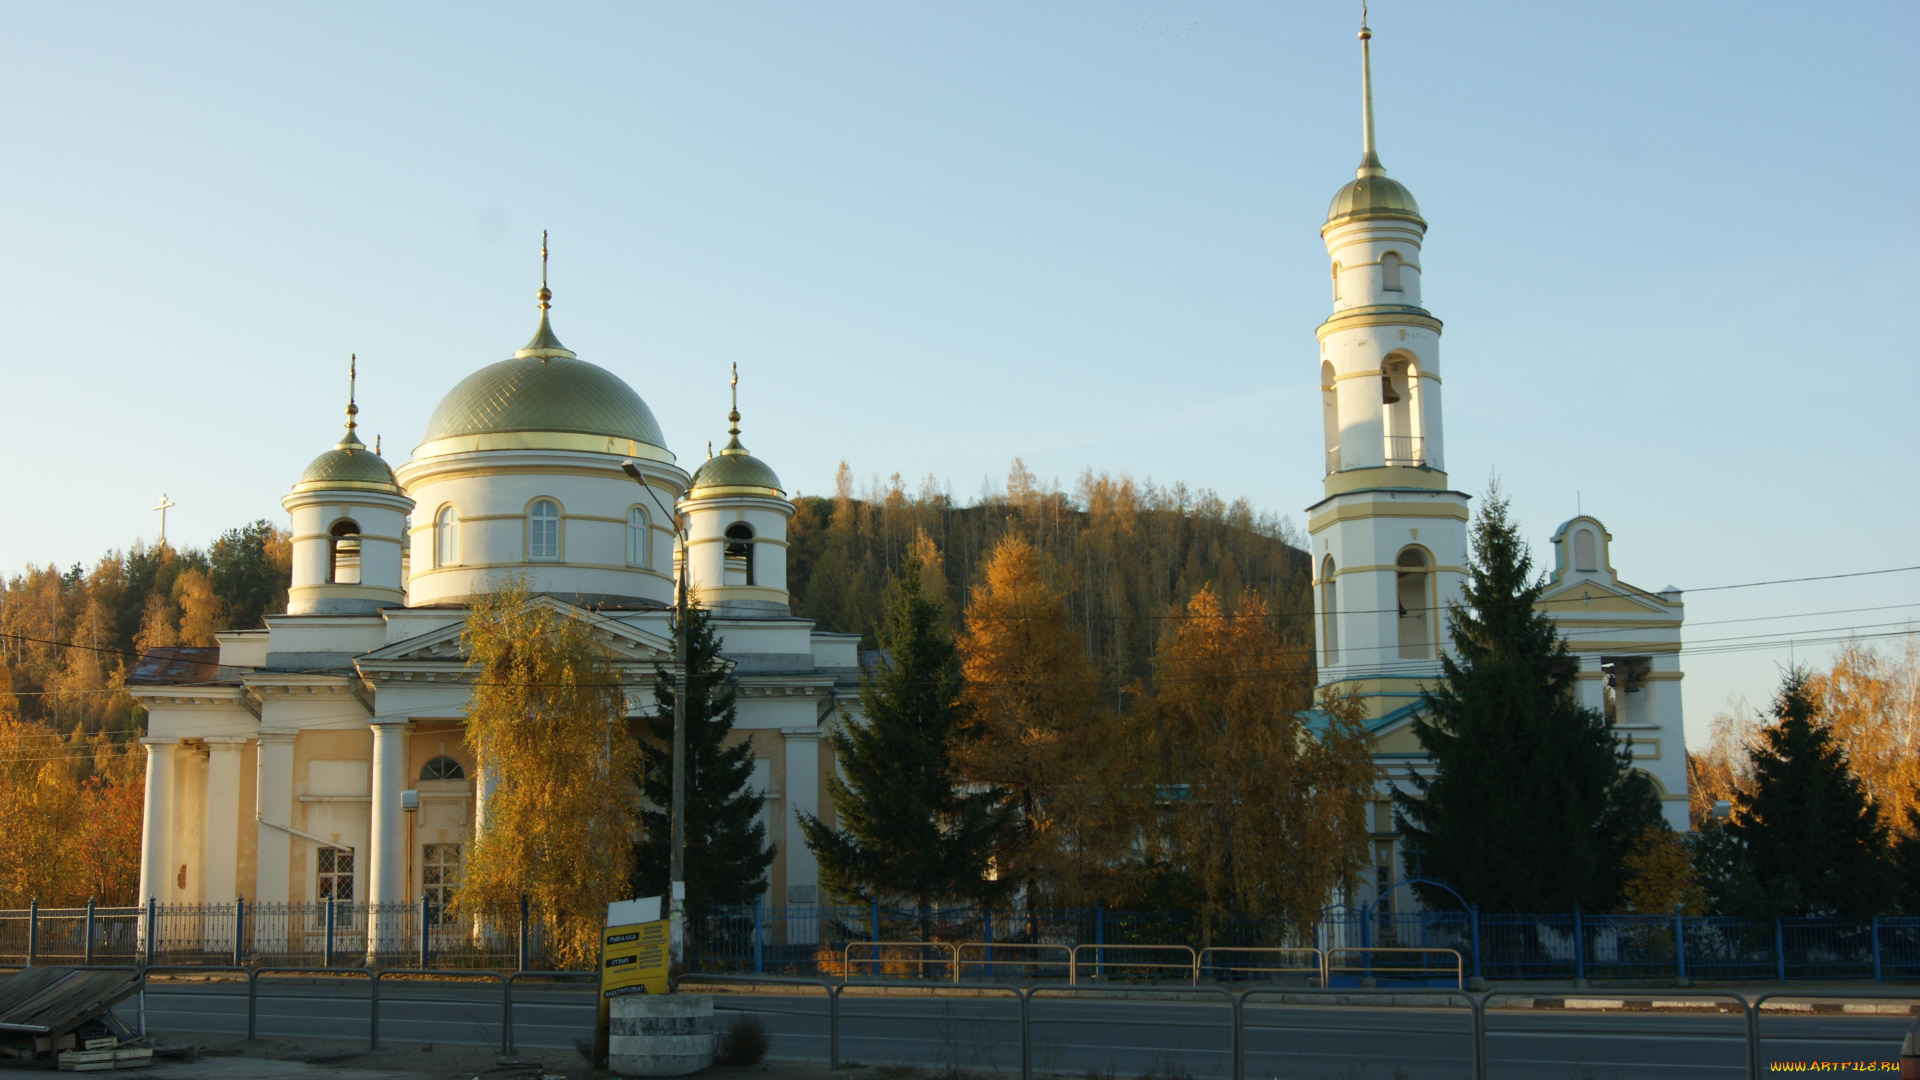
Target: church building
[[1389, 539], [323, 756]]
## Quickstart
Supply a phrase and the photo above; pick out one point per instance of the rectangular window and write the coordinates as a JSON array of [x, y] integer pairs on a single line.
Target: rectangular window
[[439, 876], [336, 874]]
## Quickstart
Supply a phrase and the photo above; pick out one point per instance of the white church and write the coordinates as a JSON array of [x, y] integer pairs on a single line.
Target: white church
[[1389, 537], [277, 771]]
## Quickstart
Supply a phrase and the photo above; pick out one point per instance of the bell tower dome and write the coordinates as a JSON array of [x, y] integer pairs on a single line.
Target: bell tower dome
[[1389, 537], [736, 515], [349, 528]]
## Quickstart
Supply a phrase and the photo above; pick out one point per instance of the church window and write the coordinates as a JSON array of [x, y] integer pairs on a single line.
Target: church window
[[639, 537], [740, 545], [1336, 281], [343, 553], [336, 873], [442, 768], [1410, 589], [1584, 557], [446, 537], [1390, 272], [543, 531], [439, 877], [1329, 612]]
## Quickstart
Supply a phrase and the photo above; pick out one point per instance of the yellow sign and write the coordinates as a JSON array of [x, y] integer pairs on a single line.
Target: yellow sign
[[633, 960]]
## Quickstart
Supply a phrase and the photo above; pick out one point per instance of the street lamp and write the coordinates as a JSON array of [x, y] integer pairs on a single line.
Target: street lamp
[[677, 826]]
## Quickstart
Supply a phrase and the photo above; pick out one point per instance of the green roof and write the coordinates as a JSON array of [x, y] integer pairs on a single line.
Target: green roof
[[1374, 197], [544, 387], [351, 466], [731, 472]]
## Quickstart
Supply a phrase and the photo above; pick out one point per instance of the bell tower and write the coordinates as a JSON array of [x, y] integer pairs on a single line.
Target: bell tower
[[1389, 537]]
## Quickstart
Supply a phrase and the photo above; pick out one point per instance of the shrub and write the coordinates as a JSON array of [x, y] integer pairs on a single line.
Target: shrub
[[743, 1043]]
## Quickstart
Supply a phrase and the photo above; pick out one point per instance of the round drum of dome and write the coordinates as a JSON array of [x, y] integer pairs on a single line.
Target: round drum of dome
[[659, 1034]]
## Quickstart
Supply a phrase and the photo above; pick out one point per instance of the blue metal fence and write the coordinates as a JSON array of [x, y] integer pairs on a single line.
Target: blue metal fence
[[1578, 945]]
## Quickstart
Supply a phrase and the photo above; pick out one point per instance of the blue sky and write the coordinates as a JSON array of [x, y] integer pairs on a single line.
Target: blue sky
[[1668, 243]]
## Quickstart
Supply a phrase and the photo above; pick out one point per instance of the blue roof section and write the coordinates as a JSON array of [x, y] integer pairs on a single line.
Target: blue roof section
[[1317, 719]]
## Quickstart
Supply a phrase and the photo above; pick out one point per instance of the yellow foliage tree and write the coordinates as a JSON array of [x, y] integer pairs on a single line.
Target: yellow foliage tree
[[1260, 811], [202, 614], [1031, 730], [39, 811], [548, 725], [1660, 876], [1872, 706]]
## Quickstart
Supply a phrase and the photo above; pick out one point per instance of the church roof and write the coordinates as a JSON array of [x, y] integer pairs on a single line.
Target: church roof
[[734, 471], [1373, 197], [354, 468]]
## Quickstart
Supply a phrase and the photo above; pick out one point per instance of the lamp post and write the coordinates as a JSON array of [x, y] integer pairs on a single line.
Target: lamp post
[[677, 824]]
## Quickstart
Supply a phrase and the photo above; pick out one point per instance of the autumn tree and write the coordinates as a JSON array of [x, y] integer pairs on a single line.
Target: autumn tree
[[727, 854], [905, 829], [1870, 704], [1258, 798], [547, 723], [1532, 805], [1660, 875], [1030, 728]]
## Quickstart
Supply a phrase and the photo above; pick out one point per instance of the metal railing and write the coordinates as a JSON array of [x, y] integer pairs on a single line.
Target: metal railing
[[1475, 1004], [1211, 968], [1391, 969], [1105, 958], [1406, 450], [879, 955]]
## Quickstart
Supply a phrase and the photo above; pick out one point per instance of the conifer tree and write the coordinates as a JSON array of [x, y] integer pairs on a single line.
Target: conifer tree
[[1807, 831], [1532, 805], [905, 830], [727, 854]]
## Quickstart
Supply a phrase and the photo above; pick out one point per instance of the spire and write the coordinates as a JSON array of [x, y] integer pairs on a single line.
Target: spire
[[733, 417], [544, 344], [1369, 158], [351, 442]]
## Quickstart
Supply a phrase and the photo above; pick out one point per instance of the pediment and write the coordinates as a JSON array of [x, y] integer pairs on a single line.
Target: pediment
[[1591, 596], [625, 644]]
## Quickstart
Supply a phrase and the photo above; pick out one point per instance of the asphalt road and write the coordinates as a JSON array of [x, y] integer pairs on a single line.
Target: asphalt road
[[1080, 1036]]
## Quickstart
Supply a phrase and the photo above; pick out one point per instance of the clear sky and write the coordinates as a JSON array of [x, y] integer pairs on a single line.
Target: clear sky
[[1670, 243]]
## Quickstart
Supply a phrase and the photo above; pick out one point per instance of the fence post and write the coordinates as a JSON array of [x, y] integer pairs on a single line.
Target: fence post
[[523, 931], [1680, 944], [757, 967], [149, 950], [874, 925], [1026, 1032], [373, 1008], [89, 959], [1579, 950], [33, 929], [239, 923], [326, 949], [253, 1002], [426, 913], [986, 938], [833, 1026], [1099, 935], [1876, 949], [1475, 910], [1239, 1002], [1780, 949]]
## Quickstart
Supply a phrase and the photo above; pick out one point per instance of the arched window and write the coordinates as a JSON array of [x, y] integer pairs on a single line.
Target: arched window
[[639, 538], [1390, 272], [343, 553], [1410, 589], [1336, 281], [1329, 613], [1584, 556], [1330, 414], [543, 530], [446, 537], [442, 768], [740, 545]]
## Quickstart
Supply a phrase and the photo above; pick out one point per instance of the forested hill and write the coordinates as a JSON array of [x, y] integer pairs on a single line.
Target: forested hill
[[1125, 554]]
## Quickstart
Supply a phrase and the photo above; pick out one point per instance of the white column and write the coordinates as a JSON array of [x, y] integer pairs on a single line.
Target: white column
[[273, 805], [803, 795], [223, 819], [156, 827], [386, 877]]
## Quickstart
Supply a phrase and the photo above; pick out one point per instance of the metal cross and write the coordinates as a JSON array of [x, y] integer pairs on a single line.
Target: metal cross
[[164, 504]]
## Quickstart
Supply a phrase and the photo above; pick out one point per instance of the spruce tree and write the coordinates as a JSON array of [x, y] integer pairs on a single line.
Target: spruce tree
[[1810, 833], [906, 831], [727, 854], [1531, 805]]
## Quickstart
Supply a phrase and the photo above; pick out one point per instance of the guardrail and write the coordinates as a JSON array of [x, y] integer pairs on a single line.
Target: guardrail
[[1100, 963], [1317, 969], [1375, 970], [951, 961], [996, 955]]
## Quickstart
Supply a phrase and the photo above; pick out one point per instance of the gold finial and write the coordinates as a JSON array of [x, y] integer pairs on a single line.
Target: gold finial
[[546, 294], [733, 417], [376, 446], [709, 449], [351, 442], [1369, 159]]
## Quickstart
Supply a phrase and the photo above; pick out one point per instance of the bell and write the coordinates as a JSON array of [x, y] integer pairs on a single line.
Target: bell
[[1387, 394]]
